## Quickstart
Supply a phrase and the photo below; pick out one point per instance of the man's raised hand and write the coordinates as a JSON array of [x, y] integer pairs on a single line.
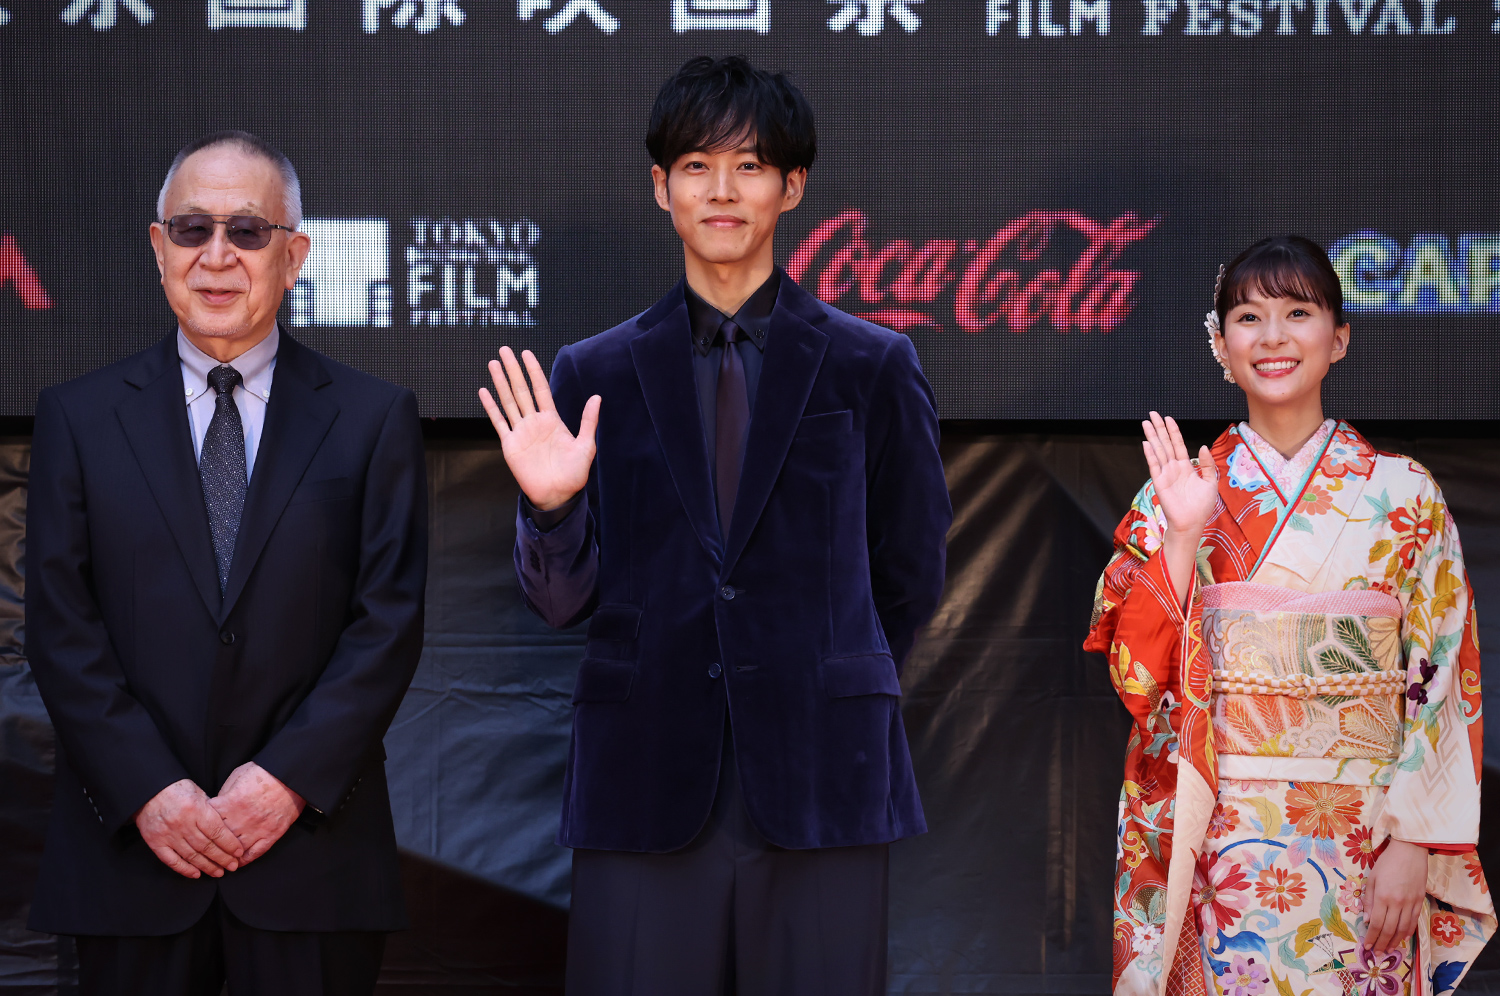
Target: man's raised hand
[[187, 834], [549, 463]]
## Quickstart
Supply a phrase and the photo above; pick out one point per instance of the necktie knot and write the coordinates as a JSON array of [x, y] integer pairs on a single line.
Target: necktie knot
[[730, 331], [224, 379]]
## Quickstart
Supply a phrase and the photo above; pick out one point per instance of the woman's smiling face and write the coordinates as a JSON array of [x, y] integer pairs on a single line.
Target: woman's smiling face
[[1280, 348]]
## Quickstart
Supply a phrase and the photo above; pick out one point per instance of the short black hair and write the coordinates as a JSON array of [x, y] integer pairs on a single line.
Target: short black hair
[[710, 104], [1282, 266]]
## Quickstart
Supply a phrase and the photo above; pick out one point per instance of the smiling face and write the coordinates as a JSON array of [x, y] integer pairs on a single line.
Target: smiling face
[[1279, 350], [224, 297], [725, 204]]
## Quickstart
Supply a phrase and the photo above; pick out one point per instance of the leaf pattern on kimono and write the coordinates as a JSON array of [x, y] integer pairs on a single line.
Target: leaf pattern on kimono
[[1333, 918], [1363, 723], [1269, 814], [1351, 636], [1445, 588], [1335, 661], [1305, 935], [1239, 718]]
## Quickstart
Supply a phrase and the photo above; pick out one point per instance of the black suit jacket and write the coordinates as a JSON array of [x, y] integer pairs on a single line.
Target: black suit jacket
[[150, 677], [797, 622]]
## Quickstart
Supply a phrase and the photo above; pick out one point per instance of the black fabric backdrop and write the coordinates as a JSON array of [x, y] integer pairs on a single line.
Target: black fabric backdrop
[[1017, 735]]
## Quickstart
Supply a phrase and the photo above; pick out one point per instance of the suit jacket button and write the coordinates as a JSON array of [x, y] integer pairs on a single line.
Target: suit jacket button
[[226, 637], [727, 593], [714, 670]]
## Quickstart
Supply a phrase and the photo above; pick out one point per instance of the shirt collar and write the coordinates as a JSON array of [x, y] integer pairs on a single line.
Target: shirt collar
[[754, 316], [254, 364]]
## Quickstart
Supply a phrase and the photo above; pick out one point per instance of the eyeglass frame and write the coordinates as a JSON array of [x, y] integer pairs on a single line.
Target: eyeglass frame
[[220, 219]]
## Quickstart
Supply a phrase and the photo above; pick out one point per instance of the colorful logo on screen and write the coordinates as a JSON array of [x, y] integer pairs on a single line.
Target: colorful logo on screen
[[17, 276], [451, 272], [1431, 274], [1052, 270]]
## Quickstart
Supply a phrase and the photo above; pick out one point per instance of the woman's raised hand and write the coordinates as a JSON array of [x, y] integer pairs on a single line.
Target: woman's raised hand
[[549, 463], [1187, 494]]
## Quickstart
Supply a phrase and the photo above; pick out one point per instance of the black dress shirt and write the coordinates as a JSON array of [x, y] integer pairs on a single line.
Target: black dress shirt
[[754, 317]]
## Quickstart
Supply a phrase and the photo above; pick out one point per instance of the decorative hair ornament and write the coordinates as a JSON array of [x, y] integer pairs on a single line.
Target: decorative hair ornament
[[1211, 322]]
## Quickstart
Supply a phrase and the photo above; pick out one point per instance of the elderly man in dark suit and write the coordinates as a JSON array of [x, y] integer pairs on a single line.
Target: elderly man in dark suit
[[758, 543], [226, 556]]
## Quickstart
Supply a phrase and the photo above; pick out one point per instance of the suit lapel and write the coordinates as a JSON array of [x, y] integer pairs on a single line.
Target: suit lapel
[[297, 419], [664, 364], [794, 353], [156, 425]]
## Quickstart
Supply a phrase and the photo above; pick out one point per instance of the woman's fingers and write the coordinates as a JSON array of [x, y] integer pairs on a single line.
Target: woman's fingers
[[589, 422], [1376, 921], [1174, 438], [1207, 469], [1151, 462]]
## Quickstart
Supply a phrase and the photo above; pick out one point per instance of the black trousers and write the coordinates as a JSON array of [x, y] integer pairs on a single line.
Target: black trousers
[[729, 915], [219, 949]]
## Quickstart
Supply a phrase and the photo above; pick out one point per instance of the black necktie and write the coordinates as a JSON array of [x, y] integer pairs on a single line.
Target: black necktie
[[731, 421], [221, 465]]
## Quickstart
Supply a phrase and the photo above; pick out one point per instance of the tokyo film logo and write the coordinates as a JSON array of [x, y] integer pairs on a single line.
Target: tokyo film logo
[[472, 271], [455, 272]]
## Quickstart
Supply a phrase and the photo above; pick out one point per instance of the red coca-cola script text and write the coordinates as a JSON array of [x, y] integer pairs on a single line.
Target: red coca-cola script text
[[903, 285]]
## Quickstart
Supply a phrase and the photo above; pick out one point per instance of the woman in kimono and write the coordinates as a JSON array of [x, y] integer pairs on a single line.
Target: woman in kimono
[[1288, 620]]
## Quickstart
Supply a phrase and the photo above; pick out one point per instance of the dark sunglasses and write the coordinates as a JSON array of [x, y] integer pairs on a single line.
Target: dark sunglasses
[[244, 231]]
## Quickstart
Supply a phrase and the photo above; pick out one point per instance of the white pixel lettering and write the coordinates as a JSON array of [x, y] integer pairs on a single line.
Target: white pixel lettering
[[108, 12], [868, 16], [257, 14], [721, 15], [433, 14]]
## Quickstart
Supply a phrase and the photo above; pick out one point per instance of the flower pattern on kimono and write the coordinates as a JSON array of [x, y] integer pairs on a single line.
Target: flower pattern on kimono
[[1280, 890], [1243, 977], [1223, 821], [1359, 846], [1447, 929], [1245, 472], [1418, 690], [1414, 528], [1314, 501], [1352, 894], [1376, 974], [1221, 892], [1476, 871], [1322, 810], [1345, 456], [1147, 938]]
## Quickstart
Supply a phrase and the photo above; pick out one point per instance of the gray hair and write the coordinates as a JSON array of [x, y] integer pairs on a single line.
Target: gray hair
[[255, 146]]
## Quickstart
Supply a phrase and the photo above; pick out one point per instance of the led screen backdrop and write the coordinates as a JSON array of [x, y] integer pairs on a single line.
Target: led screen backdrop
[[1038, 192]]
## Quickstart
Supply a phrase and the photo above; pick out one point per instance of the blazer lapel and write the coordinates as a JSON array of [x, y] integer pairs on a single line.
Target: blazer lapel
[[794, 353], [664, 365], [297, 419], [156, 425]]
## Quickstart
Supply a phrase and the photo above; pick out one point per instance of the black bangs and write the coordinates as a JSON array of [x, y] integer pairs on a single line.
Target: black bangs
[[710, 105], [1286, 266]]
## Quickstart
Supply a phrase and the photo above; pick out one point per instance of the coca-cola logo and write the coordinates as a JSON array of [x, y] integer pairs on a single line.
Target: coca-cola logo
[[1005, 282]]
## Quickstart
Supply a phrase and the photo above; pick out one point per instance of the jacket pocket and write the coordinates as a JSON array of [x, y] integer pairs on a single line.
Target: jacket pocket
[[847, 675], [613, 630], [327, 490], [826, 424], [603, 680]]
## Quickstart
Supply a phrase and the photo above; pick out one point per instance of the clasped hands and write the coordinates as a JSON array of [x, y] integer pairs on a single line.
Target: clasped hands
[[194, 835]]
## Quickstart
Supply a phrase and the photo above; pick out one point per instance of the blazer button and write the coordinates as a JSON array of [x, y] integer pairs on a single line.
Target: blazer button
[[714, 670], [226, 637], [727, 593]]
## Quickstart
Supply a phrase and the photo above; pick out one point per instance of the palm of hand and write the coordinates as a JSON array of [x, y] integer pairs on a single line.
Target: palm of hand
[[549, 463], [1187, 498]]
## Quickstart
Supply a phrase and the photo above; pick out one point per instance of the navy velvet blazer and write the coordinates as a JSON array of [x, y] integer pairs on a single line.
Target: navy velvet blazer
[[150, 677], [799, 619]]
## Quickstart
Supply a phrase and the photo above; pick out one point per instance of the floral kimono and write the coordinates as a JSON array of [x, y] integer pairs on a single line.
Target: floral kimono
[[1319, 696]]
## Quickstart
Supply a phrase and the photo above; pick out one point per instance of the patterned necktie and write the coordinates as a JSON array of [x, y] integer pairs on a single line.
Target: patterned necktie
[[221, 465], [732, 419]]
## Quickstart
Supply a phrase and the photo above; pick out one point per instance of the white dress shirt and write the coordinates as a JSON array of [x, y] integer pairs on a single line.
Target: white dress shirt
[[256, 366]]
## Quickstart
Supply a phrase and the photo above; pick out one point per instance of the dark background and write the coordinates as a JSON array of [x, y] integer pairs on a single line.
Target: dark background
[[942, 133]]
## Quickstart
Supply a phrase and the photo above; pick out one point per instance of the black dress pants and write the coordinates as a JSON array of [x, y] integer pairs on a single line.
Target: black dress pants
[[729, 915], [219, 949]]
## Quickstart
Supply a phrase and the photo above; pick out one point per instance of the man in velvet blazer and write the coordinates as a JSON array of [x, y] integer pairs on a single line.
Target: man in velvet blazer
[[738, 760], [226, 557]]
